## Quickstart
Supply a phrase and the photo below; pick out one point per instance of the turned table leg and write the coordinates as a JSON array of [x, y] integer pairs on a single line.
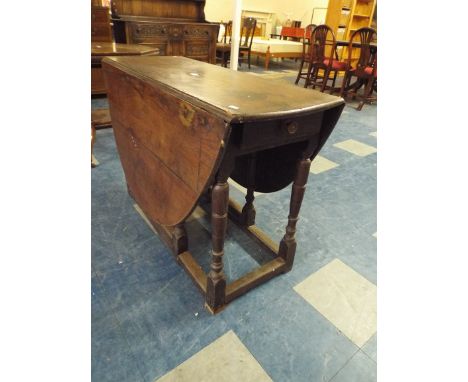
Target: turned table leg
[[216, 282], [247, 217], [287, 247], [248, 211]]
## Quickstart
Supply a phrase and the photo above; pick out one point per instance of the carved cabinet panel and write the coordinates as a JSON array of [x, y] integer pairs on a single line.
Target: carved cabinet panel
[[193, 40]]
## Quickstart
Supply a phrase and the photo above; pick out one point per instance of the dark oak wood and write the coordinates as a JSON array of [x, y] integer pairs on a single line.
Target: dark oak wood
[[100, 24], [102, 49], [175, 27], [180, 134]]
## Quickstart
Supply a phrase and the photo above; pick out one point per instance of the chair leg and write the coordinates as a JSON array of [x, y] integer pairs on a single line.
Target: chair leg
[[249, 59], [325, 80], [300, 72], [367, 92], [309, 70], [333, 82], [343, 84]]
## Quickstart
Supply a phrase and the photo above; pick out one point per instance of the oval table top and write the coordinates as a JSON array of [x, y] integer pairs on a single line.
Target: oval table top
[[113, 49]]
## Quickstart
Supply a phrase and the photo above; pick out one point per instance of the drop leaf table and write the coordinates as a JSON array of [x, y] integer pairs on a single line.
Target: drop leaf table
[[183, 127]]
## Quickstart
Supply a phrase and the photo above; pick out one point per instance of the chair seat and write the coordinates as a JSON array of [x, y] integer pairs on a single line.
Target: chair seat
[[336, 65], [367, 70]]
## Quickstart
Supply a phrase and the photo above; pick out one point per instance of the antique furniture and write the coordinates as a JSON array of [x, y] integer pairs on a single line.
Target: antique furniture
[[100, 24], [184, 127], [102, 49], [293, 33], [247, 33], [305, 58], [323, 58], [365, 70], [175, 27], [274, 48], [223, 47]]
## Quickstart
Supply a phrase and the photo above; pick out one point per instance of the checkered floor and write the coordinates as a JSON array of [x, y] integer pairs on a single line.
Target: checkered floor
[[315, 323]]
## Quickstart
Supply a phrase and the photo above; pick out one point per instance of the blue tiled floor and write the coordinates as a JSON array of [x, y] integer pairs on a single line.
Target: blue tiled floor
[[148, 316]]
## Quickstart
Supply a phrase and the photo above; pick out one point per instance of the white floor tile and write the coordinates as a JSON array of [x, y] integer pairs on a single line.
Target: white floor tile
[[224, 360], [345, 298], [356, 148], [321, 164], [374, 134]]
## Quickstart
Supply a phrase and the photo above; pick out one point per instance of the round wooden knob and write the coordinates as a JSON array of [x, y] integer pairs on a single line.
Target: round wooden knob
[[292, 127]]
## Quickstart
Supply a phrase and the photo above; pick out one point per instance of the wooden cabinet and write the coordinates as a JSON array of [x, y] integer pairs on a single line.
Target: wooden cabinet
[[175, 27], [346, 16], [193, 40], [100, 24]]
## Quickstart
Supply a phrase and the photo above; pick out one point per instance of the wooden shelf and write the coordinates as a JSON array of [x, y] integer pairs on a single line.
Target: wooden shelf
[[358, 14]]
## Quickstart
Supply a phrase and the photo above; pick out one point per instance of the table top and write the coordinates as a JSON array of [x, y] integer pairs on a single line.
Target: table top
[[113, 49], [234, 96]]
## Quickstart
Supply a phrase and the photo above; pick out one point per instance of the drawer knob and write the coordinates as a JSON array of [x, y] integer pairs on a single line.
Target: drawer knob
[[292, 127]]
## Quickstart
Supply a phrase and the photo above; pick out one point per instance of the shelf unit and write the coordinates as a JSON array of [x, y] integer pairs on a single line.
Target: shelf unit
[[346, 16]]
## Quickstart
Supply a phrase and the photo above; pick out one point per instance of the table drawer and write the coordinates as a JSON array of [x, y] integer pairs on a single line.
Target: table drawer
[[198, 32], [268, 134]]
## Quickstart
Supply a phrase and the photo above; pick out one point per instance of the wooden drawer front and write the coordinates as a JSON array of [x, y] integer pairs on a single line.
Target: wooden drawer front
[[268, 134], [100, 15], [197, 50], [197, 32], [145, 32]]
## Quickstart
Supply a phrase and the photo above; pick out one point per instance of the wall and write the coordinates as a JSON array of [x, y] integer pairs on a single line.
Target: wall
[[217, 10]]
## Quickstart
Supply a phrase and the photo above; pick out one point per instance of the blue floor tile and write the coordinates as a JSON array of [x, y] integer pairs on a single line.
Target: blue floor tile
[[360, 368]]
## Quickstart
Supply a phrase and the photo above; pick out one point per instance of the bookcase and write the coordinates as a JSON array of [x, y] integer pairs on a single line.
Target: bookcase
[[346, 16]]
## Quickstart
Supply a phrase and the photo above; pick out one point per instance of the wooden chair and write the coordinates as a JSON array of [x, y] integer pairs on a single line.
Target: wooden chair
[[247, 34], [365, 69], [323, 57], [305, 52], [223, 48]]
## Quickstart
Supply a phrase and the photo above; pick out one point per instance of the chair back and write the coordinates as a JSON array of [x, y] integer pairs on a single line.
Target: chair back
[[360, 49], [322, 44], [247, 32]]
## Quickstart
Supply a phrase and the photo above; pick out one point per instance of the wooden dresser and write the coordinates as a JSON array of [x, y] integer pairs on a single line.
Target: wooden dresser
[[100, 24], [175, 27]]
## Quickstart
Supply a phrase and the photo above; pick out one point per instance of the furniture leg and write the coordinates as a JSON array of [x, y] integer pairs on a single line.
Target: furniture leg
[[367, 92], [216, 282], [287, 248], [267, 59], [180, 239], [343, 84], [333, 82], [300, 72], [309, 73], [248, 211], [248, 58], [325, 79]]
